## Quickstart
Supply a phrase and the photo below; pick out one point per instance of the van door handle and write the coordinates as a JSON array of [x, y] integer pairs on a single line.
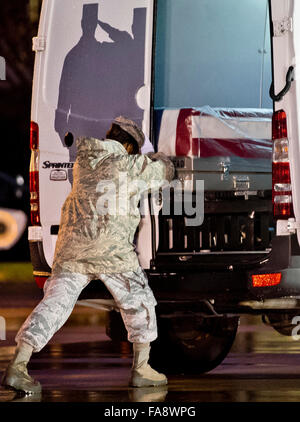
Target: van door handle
[[289, 79]]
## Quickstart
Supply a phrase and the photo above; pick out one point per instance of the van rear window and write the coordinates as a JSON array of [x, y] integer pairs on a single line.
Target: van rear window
[[212, 52]]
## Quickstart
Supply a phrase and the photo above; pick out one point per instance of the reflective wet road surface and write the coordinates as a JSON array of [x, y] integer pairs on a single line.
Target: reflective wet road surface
[[81, 364]]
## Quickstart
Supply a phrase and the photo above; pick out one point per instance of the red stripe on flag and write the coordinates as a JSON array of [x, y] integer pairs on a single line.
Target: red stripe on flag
[[209, 147], [240, 147], [184, 131]]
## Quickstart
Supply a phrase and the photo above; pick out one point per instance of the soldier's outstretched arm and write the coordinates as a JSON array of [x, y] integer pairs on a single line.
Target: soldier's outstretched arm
[[155, 170]]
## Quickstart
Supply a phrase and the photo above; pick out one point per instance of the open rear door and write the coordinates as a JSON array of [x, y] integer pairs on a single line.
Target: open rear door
[[285, 15], [93, 63], [106, 73]]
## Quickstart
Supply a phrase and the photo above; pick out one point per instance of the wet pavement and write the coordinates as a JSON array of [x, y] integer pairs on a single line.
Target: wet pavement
[[81, 364]]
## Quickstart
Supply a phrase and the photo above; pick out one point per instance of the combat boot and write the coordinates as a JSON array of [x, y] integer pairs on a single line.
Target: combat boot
[[142, 375], [16, 376]]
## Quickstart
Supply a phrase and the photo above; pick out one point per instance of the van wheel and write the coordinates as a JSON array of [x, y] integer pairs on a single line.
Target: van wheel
[[185, 344], [192, 344]]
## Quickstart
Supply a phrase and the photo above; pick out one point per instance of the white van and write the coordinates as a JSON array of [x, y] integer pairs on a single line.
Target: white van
[[196, 76]]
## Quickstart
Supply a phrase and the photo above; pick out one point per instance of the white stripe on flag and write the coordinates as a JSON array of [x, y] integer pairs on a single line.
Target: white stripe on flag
[[167, 134], [212, 127]]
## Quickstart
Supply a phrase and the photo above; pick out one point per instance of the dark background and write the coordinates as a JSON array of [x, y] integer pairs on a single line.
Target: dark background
[[18, 24]]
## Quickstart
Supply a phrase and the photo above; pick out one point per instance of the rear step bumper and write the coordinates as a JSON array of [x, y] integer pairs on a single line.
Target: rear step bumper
[[231, 280], [213, 261]]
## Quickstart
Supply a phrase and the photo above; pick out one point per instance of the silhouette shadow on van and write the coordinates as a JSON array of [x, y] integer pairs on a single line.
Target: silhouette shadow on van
[[99, 80]]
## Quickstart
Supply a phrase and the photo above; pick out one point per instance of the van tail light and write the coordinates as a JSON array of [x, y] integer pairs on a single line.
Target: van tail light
[[281, 178], [266, 280], [34, 175], [34, 136], [40, 280]]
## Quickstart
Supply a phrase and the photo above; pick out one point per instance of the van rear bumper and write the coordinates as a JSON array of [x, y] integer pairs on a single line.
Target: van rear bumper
[[229, 286], [284, 259]]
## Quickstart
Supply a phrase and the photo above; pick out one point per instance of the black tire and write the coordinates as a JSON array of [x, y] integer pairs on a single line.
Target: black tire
[[192, 344], [185, 344]]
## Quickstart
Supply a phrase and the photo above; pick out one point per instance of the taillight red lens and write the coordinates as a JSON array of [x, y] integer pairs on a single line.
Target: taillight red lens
[[281, 174], [34, 197], [34, 175], [34, 135], [279, 125], [284, 210], [40, 281], [281, 179], [266, 280]]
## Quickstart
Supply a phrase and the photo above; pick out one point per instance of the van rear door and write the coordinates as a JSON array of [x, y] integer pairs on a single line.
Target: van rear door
[[285, 15], [93, 63]]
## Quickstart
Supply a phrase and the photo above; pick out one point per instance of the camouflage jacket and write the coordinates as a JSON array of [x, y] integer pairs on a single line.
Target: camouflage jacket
[[100, 216]]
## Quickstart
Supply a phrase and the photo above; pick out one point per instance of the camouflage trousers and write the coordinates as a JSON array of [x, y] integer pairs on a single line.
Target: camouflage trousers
[[130, 291]]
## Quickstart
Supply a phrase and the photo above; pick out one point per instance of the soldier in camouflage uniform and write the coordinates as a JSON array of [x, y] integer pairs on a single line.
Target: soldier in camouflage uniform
[[96, 241]]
